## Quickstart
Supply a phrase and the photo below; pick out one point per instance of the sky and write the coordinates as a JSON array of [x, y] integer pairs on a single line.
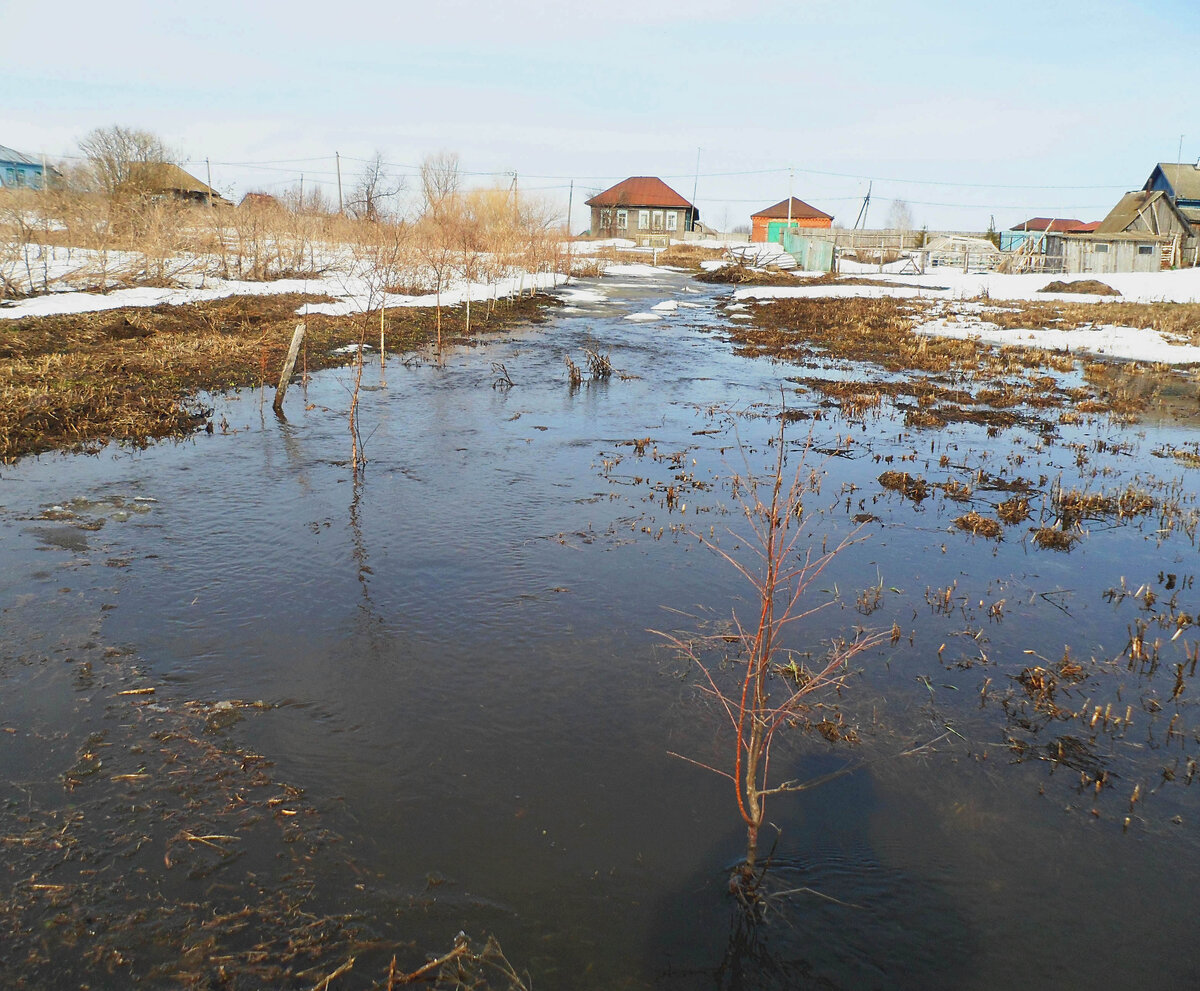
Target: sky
[[970, 113]]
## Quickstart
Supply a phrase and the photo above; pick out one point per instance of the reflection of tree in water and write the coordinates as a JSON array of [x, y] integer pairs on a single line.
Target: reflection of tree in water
[[358, 546], [840, 909]]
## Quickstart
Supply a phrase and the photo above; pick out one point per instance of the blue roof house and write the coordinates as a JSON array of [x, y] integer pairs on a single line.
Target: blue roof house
[[1181, 182], [18, 170]]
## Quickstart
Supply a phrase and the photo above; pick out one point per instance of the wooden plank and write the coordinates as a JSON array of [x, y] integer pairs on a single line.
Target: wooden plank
[[289, 365]]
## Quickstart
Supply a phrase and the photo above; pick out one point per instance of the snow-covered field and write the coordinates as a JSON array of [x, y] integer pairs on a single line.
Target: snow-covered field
[[350, 283], [962, 300]]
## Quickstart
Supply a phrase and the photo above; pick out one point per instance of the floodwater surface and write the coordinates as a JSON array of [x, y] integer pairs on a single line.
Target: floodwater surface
[[450, 664]]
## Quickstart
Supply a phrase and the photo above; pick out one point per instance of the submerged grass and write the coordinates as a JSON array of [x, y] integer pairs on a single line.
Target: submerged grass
[[963, 380], [131, 375]]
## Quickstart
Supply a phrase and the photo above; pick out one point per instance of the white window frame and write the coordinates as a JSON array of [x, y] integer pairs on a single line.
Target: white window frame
[[622, 220], [657, 220], [643, 219], [672, 220]]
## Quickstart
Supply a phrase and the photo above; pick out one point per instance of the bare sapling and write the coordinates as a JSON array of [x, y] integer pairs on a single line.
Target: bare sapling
[[773, 686]]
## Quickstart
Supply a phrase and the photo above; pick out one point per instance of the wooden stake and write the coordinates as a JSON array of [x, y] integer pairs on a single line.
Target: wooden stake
[[288, 365]]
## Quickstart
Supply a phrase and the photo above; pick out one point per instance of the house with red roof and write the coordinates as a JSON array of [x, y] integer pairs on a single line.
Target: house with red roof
[[769, 224], [1014, 237], [643, 208]]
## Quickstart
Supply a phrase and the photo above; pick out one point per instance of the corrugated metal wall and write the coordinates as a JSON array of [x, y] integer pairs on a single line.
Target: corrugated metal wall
[[811, 254]]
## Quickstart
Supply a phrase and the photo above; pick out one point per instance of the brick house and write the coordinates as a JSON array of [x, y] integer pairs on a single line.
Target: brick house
[[768, 224]]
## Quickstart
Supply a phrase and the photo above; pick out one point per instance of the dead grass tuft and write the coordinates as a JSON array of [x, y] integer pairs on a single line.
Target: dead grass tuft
[[980, 526], [1093, 287], [1052, 538], [912, 487]]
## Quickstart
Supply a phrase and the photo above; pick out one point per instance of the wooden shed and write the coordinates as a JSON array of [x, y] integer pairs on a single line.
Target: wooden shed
[[167, 179], [769, 224], [1144, 232], [1105, 254]]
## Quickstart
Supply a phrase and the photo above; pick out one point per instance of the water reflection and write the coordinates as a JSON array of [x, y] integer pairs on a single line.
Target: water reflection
[[456, 648]]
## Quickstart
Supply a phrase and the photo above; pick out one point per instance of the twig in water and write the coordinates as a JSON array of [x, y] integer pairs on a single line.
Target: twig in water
[[503, 379], [324, 985]]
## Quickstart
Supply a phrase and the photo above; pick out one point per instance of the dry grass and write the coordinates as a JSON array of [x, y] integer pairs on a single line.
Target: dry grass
[[738, 273], [980, 526], [965, 381], [1052, 538], [912, 487], [689, 255], [1093, 287], [1073, 505], [1014, 510]]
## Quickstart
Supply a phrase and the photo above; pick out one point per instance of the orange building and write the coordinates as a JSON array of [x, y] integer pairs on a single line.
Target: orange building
[[768, 224]]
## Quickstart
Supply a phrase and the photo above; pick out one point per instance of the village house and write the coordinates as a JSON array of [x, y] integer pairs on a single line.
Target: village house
[[167, 179], [643, 208], [769, 224], [19, 171], [1181, 183], [1034, 229], [1144, 232]]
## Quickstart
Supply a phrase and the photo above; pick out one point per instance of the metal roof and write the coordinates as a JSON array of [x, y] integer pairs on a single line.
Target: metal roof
[[1053, 224], [800, 211], [642, 190], [1122, 216], [1184, 178], [12, 155]]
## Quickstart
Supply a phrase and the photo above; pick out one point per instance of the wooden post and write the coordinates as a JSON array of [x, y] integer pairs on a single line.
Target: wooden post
[[338, 158], [288, 365]]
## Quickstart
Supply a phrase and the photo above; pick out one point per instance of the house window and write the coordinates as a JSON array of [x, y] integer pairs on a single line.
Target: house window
[[10, 177], [643, 219], [623, 220], [1145, 249], [1102, 249], [658, 214], [605, 219], [672, 221]]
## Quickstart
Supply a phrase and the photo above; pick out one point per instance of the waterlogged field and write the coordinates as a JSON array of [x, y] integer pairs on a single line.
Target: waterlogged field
[[262, 723]]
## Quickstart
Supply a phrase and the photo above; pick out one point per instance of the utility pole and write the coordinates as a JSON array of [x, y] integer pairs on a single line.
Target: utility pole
[[300, 206], [208, 172], [338, 157], [695, 183], [570, 201], [862, 212], [1179, 156]]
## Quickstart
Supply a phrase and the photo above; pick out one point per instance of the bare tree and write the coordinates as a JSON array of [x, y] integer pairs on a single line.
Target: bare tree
[[900, 216], [116, 155], [375, 187], [440, 181], [441, 226], [765, 685]]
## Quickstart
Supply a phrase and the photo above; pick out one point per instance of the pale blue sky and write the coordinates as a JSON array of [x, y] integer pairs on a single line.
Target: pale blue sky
[[957, 107]]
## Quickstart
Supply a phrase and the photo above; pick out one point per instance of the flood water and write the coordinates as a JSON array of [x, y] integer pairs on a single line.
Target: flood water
[[457, 666]]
